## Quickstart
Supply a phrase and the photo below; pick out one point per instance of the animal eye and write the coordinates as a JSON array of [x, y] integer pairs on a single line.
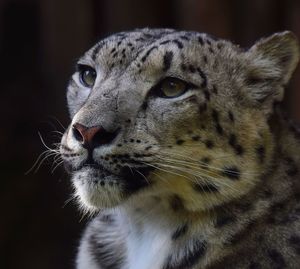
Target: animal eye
[[172, 87], [87, 75]]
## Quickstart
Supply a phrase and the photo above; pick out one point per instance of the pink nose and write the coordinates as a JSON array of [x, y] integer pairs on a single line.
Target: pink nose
[[85, 134], [92, 137]]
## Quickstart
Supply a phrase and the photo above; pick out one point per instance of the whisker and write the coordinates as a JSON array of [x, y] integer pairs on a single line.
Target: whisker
[[42, 157], [198, 163], [199, 175], [44, 144], [56, 166], [58, 121], [159, 168], [142, 176], [58, 132], [72, 198]]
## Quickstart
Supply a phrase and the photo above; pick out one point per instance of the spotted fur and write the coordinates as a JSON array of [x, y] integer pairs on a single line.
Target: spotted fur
[[206, 179]]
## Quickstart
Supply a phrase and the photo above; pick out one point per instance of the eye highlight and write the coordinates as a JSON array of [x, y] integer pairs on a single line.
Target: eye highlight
[[171, 87], [87, 75]]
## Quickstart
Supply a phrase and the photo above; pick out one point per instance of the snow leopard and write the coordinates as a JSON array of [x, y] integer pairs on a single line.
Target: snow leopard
[[179, 149]]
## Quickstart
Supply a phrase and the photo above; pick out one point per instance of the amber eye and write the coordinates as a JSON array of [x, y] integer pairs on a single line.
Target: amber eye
[[172, 87], [87, 75]]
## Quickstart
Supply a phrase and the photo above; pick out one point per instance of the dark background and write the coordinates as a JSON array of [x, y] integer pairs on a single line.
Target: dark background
[[39, 44]]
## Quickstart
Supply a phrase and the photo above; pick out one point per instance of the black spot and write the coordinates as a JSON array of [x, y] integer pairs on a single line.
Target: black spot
[[230, 116], [183, 67], [209, 144], [261, 152], [215, 115], [138, 141], [215, 89], [239, 150], [220, 46], [176, 203], [144, 105], [180, 142], [131, 140], [96, 50], [231, 172], [144, 58], [205, 160], [203, 76], [192, 256], [167, 60], [277, 259], [205, 59], [202, 108], [178, 43], [185, 38], [149, 147], [208, 42], [165, 42], [192, 68], [294, 242], [219, 129], [200, 40], [211, 50], [224, 219], [205, 188], [196, 137], [207, 95], [181, 231], [292, 167], [232, 140], [266, 194]]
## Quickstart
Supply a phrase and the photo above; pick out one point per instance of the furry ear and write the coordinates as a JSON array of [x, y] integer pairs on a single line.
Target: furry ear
[[270, 64]]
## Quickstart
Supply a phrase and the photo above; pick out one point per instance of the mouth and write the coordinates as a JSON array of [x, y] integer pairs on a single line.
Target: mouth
[[129, 179]]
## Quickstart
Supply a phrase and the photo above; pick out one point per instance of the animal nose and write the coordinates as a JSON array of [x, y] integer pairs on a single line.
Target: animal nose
[[92, 137]]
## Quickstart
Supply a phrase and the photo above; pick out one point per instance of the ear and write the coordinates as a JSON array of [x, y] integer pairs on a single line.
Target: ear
[[270, 64]]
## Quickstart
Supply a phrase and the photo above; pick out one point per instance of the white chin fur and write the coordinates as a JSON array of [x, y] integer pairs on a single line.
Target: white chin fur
[[94, 193]]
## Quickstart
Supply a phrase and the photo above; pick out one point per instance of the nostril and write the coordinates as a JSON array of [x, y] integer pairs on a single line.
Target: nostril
[[77, 135], [104, 137]]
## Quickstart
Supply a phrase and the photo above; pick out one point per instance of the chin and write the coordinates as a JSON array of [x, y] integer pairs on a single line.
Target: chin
[[96, 190]]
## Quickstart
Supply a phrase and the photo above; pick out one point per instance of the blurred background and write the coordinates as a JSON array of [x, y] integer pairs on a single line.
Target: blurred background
[[40, 41]]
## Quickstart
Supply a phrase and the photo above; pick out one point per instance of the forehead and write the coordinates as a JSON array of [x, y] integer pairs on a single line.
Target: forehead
[[140, 45]]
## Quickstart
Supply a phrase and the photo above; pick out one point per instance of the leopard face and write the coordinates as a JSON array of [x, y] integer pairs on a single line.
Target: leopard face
[[176, 115]]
